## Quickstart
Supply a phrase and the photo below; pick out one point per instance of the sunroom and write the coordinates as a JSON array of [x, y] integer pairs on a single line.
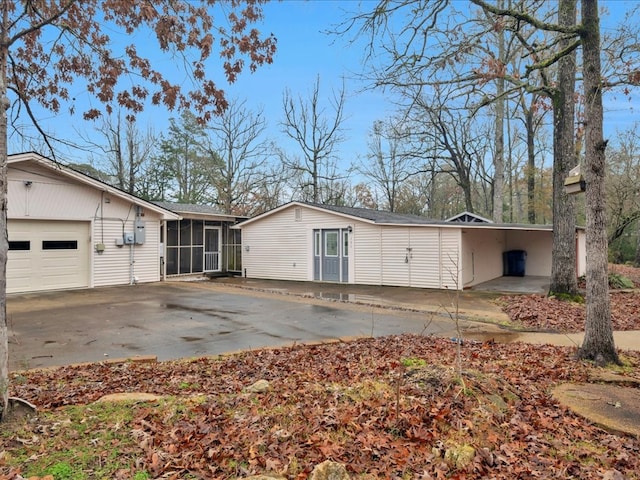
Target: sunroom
[[202, 242]]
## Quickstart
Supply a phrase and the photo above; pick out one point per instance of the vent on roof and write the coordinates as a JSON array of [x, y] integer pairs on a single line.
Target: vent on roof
[[297, 214]]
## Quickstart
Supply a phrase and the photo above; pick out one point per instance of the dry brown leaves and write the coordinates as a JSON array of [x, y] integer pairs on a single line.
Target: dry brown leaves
[[539, 312], [360, 403]]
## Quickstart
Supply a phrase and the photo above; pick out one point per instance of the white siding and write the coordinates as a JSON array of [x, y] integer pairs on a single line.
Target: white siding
[[482, 255], [277, 249], [280, 246], [113, 266], [394, 261], [367, 251], [450, 257], [425, 258], [38, 193]]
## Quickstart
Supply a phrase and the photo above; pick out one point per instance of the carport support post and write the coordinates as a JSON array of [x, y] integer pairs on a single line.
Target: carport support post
[[4, 241]]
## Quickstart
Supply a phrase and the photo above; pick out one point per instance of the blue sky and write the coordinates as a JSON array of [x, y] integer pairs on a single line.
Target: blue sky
[[304, 52]]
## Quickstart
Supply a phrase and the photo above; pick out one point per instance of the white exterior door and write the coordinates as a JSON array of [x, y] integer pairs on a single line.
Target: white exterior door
[[48, 255], [212, 249]]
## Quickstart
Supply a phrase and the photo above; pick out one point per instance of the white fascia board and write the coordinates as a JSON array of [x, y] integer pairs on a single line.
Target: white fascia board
[[303, 205]]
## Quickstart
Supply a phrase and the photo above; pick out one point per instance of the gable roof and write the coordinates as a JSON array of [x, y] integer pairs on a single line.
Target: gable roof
[[194, 210], [70, 173], [379, 217], [468, 217]]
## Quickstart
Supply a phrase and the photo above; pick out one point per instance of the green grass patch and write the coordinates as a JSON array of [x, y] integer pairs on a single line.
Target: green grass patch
[[566, 297], [80, 442], [617, 281]]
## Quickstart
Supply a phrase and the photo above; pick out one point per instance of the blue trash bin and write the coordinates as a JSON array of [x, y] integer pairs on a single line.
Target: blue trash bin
[[514, 263]]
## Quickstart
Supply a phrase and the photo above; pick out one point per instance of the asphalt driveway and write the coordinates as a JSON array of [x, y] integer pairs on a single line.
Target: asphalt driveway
[[187, 319]]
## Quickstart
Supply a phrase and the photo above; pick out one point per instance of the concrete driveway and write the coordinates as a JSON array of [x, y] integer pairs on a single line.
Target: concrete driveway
[[173, 320]]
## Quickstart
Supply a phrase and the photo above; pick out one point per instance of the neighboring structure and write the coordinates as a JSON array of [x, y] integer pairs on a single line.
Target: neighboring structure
[[301, 241], [68, 230], [202, 242]]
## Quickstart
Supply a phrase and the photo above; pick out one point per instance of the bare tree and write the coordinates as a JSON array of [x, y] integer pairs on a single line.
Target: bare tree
[[237, 138], [125, 149], [390, 161], [317, 129], [452, 143], [623, 191], [270, 190]]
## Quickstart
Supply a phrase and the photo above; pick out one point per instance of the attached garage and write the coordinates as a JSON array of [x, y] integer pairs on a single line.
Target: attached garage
[[302, 241], [67, 230], [45, 255]]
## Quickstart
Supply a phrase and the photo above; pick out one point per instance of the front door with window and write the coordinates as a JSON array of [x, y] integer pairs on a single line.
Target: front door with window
[[331, 250], [212, 249], [331, 255]]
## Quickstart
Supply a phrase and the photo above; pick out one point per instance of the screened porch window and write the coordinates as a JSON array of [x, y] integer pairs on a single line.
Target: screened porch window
[[184, 246]]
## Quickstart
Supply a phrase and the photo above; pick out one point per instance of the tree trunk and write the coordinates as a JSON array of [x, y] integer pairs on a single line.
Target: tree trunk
[[563, 269], [637, 259], [531, 167], [4, 242], [498, 161], [598, 344]]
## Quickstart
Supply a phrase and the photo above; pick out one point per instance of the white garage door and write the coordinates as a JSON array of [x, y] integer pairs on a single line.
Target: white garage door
[[47, 255]]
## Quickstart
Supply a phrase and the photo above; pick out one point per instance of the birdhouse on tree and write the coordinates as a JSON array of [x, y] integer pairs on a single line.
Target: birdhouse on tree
[[574, 183]]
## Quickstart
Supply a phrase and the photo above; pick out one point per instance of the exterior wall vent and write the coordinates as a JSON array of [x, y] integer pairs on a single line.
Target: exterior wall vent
[[298, 214]]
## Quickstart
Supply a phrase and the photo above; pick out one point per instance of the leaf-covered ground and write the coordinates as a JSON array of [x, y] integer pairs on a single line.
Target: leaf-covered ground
[[391, 407], [540, 312]]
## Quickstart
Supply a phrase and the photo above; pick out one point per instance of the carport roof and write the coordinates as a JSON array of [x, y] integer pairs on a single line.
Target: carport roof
[[380, 217]]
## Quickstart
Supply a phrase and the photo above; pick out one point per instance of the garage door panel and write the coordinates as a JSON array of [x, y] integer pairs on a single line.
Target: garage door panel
[[58, 255]]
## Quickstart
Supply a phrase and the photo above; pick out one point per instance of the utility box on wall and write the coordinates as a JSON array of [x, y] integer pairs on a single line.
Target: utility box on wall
[[139, 232], [128, 238]]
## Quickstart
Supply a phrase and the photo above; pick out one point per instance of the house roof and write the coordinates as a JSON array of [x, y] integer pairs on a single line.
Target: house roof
[[380, 217], [376, 216], [201, 211], [90, 181]]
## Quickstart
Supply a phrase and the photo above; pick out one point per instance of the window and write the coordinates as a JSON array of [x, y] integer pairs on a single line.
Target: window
[[197, 232], [59, 245], [345, 243], [172, 233], [20, 245], [185, 233], [172, 261], [316, 243], [331, 244]]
